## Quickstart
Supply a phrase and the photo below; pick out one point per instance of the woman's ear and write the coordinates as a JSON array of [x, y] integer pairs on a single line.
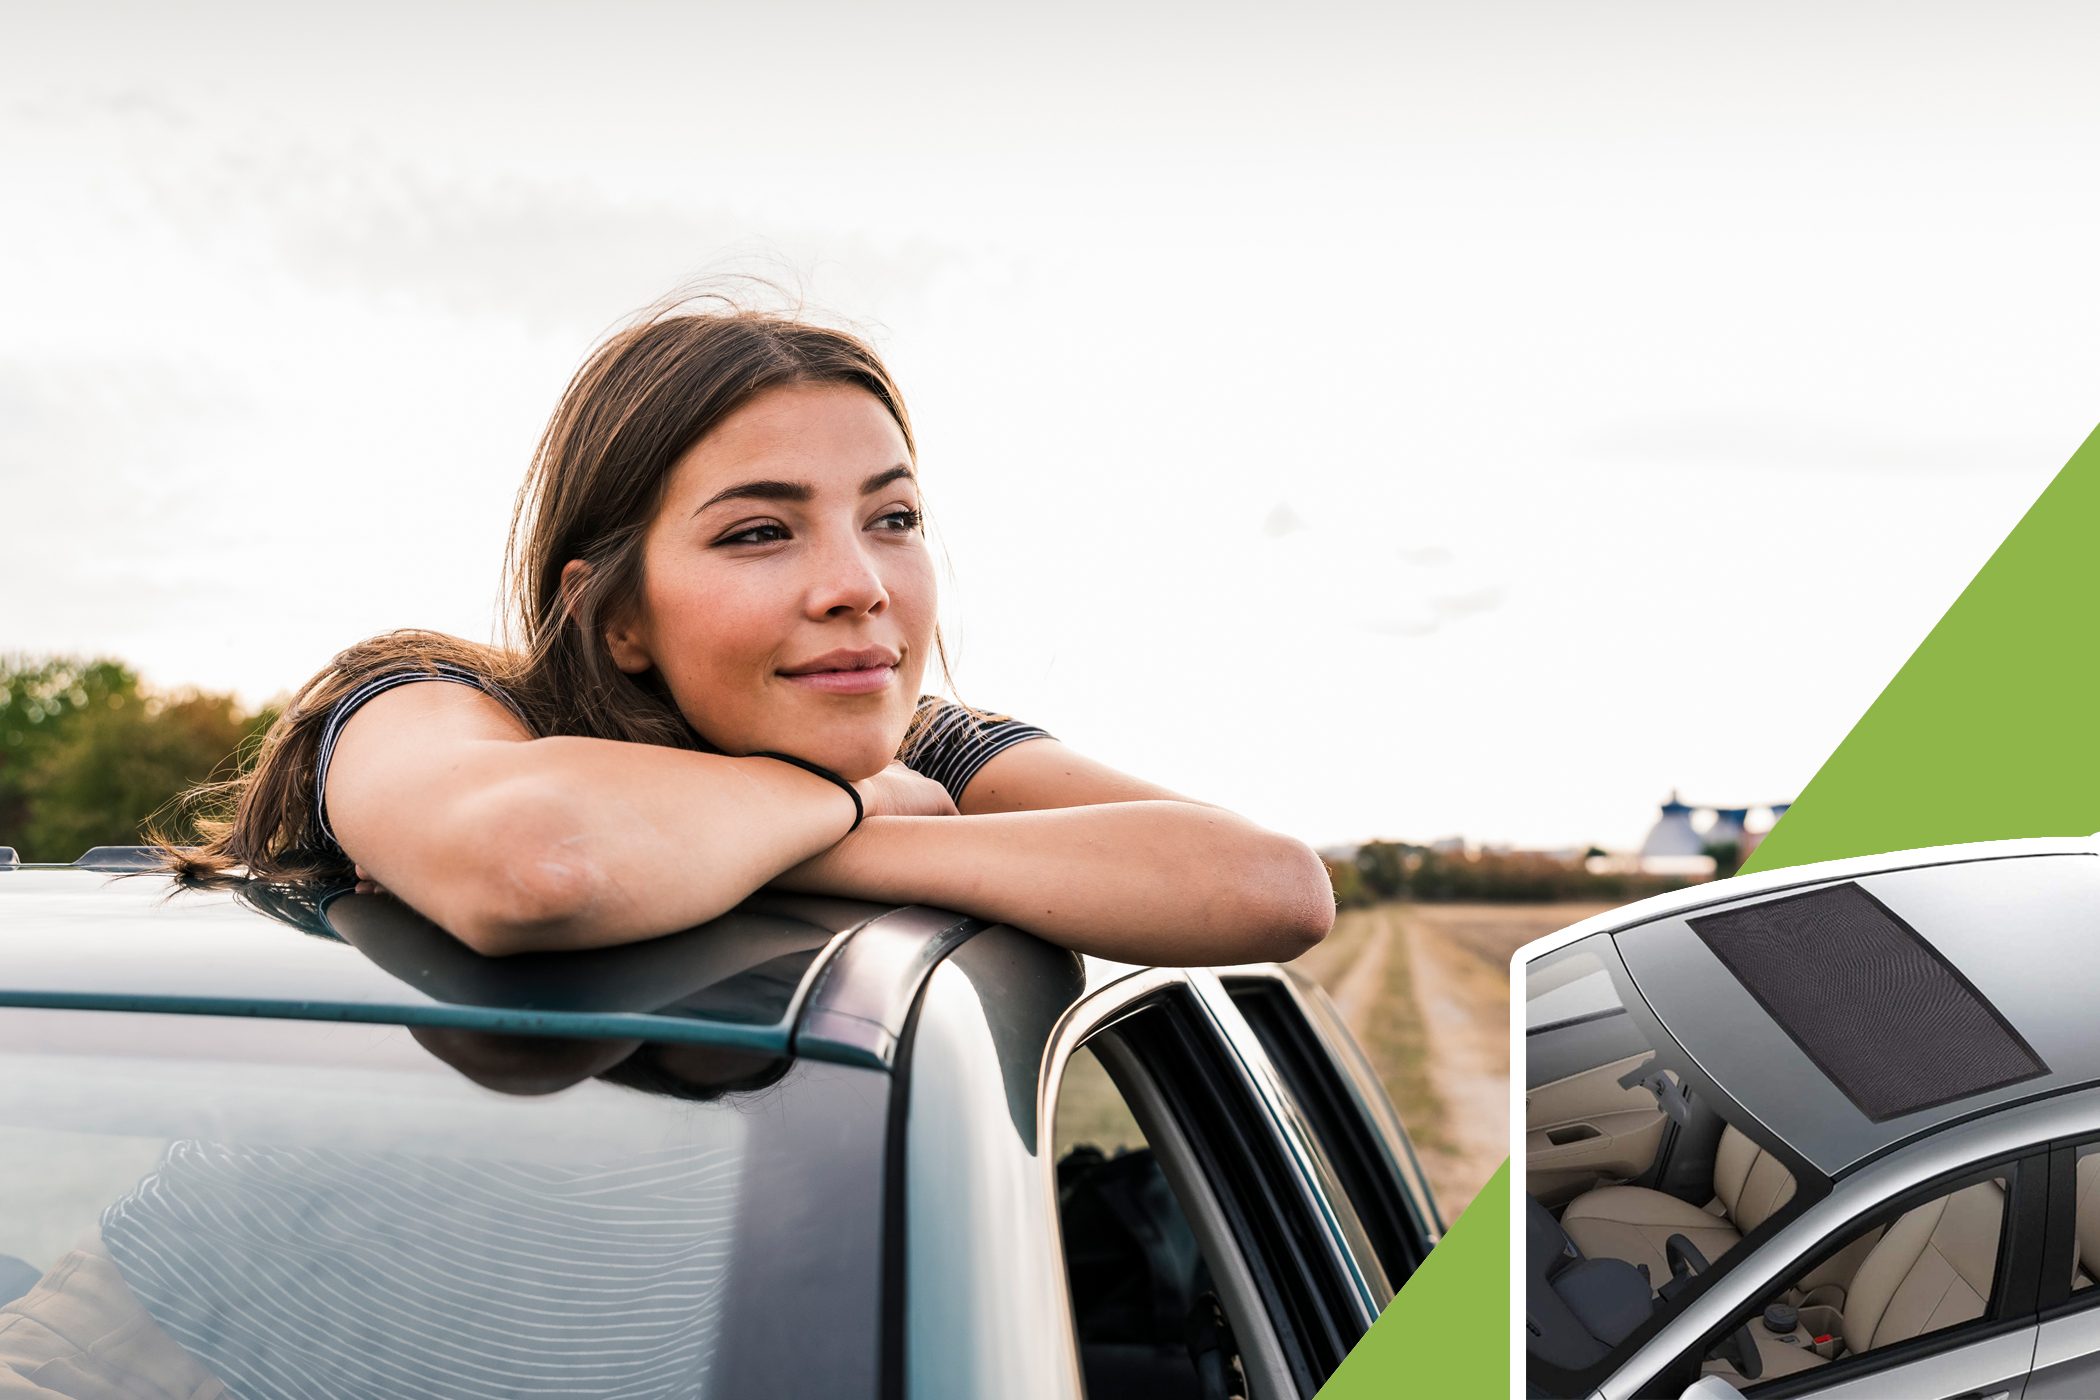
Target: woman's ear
[[623, 640]]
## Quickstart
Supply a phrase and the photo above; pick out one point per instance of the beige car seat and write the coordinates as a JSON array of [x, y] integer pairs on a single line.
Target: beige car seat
[[1633, 1222], [1932, 1269], [2085, 1252]]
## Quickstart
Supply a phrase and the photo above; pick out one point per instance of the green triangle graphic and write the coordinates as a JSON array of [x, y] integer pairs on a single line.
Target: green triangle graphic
[[1447, 1333], [1991, 730]]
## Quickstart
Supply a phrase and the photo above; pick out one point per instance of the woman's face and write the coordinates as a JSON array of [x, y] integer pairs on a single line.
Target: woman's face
[[787, 534]]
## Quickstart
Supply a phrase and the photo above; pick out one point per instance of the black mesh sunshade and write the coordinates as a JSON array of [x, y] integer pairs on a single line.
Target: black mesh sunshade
[[1878, 1010]]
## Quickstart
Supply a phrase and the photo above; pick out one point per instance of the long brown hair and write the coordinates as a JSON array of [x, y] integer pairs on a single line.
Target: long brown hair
[[642, 398]]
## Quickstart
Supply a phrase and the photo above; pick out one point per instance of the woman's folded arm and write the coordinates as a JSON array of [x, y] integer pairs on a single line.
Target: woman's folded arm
[[515, 844], [1165, 882]]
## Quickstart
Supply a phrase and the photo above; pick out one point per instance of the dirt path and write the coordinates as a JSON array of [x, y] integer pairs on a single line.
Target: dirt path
[[1426, 989], [1363, 981]]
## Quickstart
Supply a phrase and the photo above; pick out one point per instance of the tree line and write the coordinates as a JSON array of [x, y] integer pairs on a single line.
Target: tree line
[[90, 754], [1383, 870]]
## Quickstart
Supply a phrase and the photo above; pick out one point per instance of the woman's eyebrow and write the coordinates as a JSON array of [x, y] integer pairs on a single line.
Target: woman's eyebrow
[[797, 490]]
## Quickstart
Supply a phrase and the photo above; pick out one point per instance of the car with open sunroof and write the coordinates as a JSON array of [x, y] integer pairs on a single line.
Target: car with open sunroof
[[1831, 1130], [276, 1140]]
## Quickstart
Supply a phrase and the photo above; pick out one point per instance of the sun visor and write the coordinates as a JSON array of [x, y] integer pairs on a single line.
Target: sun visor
[[1890, 1021]]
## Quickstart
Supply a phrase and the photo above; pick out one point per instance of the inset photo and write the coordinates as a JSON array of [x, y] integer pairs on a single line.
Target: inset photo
[[1826, 1130]]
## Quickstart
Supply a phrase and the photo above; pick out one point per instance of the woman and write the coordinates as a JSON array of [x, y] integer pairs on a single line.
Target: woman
[[725, 605]]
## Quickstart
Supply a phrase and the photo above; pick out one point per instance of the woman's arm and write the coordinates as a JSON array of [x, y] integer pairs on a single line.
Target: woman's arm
[[515, 844], [1173, 883], [1042, 773]]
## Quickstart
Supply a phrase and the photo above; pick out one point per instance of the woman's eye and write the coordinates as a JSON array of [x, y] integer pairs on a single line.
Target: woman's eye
[[745, 536], [910, 517]]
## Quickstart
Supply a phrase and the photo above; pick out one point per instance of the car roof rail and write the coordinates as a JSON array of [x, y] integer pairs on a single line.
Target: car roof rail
[[8, 858], [122, 858]]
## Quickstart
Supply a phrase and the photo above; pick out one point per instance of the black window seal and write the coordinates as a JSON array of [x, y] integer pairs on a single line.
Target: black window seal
[[1383, 1205], [1566, 1021], [2060, 1246]]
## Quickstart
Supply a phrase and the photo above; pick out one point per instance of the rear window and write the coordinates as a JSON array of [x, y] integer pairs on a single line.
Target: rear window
[[297, 1207], [1564, 988]]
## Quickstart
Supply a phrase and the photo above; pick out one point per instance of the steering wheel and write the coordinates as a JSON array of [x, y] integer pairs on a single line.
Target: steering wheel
[[1740, 1349], [1685, 1259]]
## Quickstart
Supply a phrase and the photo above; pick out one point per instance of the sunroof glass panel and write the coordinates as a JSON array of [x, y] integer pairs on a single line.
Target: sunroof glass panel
[[1892, 1023]]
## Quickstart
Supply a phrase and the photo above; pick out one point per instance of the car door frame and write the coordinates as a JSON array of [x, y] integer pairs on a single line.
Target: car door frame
[[2068, 1323], [1215, 1185], [1353, 1119]]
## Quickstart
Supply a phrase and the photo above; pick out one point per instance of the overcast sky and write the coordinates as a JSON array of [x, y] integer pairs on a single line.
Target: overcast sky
[[1384, 420]]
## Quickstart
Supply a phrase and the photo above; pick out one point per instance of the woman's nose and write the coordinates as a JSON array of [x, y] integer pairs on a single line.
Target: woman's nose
[[846, 581]]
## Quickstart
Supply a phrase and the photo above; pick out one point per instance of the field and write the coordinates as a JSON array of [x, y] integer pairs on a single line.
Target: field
[[1426, 989]]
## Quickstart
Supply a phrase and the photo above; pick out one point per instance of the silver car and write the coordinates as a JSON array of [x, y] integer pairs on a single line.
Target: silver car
[[301, 1141], [1831, 1130]]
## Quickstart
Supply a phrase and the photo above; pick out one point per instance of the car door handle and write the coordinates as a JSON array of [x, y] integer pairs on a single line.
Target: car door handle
[[1979, 1395]]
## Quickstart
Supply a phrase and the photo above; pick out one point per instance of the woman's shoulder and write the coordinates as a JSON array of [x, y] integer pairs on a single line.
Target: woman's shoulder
[[936, 714], [409, 651], [949, 742], [361, 673]]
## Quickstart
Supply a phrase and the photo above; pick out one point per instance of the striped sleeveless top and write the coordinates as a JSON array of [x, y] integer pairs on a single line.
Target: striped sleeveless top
[[950, 748]]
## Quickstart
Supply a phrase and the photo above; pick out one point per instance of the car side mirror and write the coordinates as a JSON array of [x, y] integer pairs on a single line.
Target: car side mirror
[[1709, 1388]]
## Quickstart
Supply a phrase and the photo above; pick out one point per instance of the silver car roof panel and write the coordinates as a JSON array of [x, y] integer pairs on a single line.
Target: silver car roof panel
[[78, 938]]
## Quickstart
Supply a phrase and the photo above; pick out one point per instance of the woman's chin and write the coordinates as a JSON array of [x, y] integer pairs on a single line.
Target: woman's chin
[[852, 760]]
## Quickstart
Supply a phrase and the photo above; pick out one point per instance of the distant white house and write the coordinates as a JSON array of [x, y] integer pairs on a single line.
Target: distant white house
[[1678, 843]]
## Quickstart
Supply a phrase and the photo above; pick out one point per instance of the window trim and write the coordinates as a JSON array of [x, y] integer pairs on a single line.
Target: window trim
[[2014, 1278], [2059, 1245], [1261, 1349], [1203, 1011], [1390, 1216]]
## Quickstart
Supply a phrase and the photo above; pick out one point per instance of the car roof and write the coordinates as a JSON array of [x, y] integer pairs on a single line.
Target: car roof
[[806, 975], [1994, 1009]]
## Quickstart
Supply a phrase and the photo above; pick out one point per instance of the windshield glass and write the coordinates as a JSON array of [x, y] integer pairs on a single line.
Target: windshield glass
[[295, 1207]]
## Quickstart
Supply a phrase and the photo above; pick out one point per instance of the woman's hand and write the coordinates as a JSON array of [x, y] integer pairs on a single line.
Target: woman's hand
[[901, 791], [897, 791]]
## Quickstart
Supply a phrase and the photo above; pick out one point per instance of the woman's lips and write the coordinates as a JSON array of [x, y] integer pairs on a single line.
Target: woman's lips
[[862, 682]]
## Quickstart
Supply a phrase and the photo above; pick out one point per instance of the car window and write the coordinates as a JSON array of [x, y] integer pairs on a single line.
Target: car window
[[2085, 1224], [1291, 1242], [1890, 1282], [1570, 987], [1393, 1219], [378, 1210], [1144, 1301]]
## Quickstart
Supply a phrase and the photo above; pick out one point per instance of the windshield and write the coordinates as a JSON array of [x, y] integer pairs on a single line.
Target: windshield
[[295, 1207]]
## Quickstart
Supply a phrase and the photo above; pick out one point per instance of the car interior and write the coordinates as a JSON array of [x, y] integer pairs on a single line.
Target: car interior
[[1928, 1270], [1639, 1184], [1154, 1322], [2085, 1250], [1616, 1253]]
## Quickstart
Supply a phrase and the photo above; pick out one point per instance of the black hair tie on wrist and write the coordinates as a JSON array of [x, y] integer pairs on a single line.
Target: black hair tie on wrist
[[822, 772]]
